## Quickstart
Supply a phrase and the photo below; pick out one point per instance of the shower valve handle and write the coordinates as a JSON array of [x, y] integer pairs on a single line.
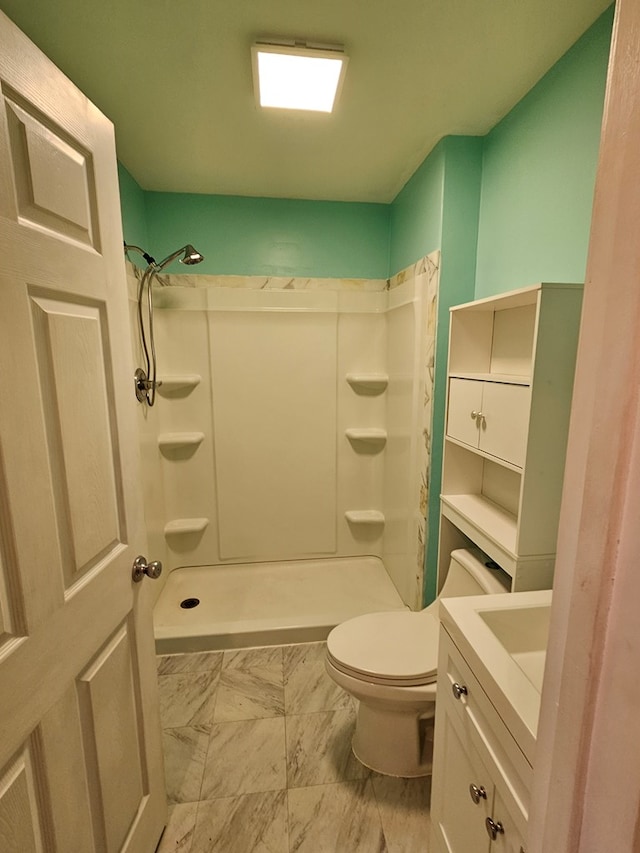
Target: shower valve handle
[[141, 568]]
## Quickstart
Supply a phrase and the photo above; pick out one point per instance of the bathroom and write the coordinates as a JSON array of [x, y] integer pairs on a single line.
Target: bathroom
[[483, 220]]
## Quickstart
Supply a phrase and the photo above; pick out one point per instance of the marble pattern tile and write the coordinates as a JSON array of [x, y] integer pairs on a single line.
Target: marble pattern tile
[[185, 753], [403, 805], [254, 823], [178, 835], [340, 817], [188, 698], [319, 749], [196, 662], [245, 757], [251, 685], [284, 784], [307, 687]]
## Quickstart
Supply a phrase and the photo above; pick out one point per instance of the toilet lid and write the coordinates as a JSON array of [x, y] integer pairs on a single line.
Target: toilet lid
[[399, 647]]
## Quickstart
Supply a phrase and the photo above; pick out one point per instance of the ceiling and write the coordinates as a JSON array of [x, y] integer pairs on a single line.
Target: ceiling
[[175, 78]]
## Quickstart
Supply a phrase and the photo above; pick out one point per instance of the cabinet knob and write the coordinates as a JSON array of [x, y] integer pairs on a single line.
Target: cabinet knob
[[459, 690], [493, 829], [474, 414], [477, 793]]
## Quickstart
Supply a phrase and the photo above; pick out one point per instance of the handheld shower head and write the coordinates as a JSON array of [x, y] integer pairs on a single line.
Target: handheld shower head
[[189, 257]]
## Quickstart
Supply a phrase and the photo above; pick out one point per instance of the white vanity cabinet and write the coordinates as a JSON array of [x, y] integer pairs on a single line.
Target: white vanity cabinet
[[481, 778], [510, 380]]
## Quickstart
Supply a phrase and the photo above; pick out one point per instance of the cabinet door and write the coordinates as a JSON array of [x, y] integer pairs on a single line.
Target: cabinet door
[[505, 421], [511, 839], [458, 821], [465, 401]]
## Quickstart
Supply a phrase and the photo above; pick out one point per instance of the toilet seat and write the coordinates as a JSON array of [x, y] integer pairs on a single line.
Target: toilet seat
[[398, 648]]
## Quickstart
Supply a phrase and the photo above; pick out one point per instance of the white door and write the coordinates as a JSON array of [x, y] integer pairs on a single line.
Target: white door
[[80, 753]]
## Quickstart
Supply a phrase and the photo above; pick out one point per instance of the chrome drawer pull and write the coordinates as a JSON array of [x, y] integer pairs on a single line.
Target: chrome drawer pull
[[459, 690], [477, 793]]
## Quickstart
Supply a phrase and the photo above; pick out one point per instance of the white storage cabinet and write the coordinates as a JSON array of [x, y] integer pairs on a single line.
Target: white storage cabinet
[[510, 380]]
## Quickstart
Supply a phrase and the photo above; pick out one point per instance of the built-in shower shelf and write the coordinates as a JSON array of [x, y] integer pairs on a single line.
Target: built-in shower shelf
[[368, 383], [370, 437], [179, 383], [364, 516], [175, 440], [185, 525]]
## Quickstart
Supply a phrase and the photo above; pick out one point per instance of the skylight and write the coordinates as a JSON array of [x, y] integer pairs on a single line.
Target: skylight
[[297, 77]]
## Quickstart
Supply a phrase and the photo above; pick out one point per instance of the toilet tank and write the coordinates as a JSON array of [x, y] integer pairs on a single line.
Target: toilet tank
[[469, 574]]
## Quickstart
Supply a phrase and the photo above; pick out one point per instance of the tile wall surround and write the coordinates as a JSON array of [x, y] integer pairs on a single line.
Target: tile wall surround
[[262, 761]]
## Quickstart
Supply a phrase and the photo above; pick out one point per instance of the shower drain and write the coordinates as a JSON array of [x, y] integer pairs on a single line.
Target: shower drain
[[188, 603]]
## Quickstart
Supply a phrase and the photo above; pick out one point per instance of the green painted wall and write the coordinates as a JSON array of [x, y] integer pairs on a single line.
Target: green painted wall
[[268, 236], [416, 213], [134, 216], [539, 171], [460, 206]]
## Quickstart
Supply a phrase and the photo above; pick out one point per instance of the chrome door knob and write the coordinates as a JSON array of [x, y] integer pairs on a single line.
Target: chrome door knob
[[141, 568], [493, 829], [477, 793], [459, 690]]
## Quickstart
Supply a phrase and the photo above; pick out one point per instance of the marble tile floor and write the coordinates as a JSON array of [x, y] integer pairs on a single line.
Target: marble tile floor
[[258, 760]]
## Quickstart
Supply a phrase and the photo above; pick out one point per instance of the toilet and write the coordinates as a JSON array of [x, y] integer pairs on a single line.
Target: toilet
[[388, 661]]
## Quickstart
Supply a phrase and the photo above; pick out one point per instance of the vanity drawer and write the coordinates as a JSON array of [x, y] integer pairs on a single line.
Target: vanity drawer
[[461, 696]]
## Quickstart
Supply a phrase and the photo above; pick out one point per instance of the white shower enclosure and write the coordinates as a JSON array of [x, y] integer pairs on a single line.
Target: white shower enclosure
[[292, 430]]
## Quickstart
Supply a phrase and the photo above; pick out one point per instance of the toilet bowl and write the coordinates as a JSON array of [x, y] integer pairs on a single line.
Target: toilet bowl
[[388, 661]]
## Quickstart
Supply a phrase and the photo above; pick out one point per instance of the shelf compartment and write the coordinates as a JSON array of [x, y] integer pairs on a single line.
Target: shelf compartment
[[504, 378], [364, 516], [368, 383], [178, 385], [177, 440], [367, 438], [491, 527], [181, 526]]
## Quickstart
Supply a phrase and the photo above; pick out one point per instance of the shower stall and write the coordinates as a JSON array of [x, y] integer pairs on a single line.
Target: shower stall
[[286, 462]]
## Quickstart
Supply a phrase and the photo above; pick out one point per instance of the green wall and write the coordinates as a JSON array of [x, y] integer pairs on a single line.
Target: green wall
[[270, 236], [134, 216], [415, 222], [538, 173]]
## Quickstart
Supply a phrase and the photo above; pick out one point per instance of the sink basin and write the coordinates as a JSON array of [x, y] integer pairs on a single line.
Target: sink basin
[[524, 633]]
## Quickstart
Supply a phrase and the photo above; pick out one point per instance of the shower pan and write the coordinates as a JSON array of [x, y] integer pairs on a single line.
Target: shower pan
[[145, 380]]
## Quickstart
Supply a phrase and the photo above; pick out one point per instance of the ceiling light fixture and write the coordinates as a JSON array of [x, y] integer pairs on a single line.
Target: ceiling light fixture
[[297, 76]]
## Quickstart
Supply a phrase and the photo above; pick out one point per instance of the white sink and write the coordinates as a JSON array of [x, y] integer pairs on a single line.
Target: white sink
[[524, 633], [504, 640]]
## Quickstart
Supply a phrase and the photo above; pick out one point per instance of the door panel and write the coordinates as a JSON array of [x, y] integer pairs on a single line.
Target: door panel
[[504, 428], [108, 710], [19, 812], [80, 750], [71, 360], [465, 397]]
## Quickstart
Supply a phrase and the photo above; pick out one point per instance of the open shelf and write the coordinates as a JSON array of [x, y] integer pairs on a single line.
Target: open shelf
[[181, 526], [492, 527], [364, 516], [174, 440], [368, 383], [507, 378], [367, 438], [178, 384]]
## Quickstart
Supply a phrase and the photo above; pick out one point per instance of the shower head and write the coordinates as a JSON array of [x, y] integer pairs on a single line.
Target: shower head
[[189, 257]]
